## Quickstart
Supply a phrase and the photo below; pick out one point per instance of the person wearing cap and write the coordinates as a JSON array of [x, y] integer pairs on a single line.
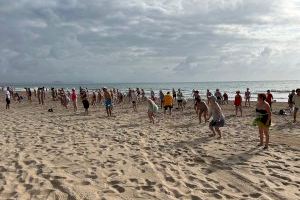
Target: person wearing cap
[[290, 100], [168, 103], [296, 101], [107, 101], [218, 119], [247, 97], [238, 103]]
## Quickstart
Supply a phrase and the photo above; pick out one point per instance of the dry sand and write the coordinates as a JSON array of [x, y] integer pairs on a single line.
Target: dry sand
[[62, 155]]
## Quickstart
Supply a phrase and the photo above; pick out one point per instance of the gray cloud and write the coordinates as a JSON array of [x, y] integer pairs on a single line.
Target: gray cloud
[[169, 40]]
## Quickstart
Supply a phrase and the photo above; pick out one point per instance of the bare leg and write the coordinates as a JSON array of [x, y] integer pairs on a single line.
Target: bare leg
[[266, 133], [261, 136], [205, 116], [241, 111], [109, 111], [213, 130], [219, 132], [200, 117]]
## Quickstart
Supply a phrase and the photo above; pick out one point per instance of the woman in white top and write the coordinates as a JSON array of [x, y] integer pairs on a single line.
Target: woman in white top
[[218, 119], [7, 98]]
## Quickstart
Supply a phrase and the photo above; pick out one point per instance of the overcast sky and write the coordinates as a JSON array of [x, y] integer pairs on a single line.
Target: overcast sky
[[149, 40]]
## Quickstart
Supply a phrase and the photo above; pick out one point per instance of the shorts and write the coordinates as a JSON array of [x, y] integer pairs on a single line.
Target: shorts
[[296, 109], [179, 101], [108, 103], [7, 101], [133, 102], [217, 123], [166, 107]]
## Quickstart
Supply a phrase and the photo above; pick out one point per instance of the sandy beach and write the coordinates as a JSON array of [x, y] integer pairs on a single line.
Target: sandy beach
[[62, 155]]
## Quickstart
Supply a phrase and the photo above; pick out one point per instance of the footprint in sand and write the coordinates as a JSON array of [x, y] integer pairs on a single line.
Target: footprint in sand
[[119, 188]]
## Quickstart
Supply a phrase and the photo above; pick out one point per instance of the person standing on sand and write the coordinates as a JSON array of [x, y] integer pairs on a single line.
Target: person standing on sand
[[161, 98], [290, 100], [129, 95], [219, 96], [296, 101], [94, 99], [247, 97], [238, 103], [39, 95], [197, 98], [180, 100], [138, 93], [152, 94], [108, 102], [134, 100], [143, 94], [263, 119], [7, 98], [225, 98], [208, 94], [202, 109], [269, 98], [174, 94], [29, 94], [99, 97], [168, 103], [74, 99], [218, 119], [152, 109], [85, 101]]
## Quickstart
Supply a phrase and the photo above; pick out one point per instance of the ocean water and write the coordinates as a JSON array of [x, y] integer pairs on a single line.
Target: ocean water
[[279, 89]]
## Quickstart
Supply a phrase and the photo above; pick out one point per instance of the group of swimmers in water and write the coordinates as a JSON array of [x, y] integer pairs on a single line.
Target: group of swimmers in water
[[206, 109]]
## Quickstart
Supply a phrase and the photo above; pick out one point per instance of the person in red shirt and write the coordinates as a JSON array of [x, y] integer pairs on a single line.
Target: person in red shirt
[[269, 98], [238, 103]]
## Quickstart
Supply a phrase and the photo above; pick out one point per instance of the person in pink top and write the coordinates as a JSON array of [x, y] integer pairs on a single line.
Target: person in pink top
[[74, 99]]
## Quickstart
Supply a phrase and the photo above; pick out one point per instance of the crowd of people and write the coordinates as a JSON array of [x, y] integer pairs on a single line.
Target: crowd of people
[[209, 108]]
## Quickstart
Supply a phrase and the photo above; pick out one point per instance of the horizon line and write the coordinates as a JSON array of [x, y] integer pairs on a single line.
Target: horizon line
[[157, 82]]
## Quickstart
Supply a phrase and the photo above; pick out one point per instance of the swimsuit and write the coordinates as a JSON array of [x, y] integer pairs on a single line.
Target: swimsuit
[[238, 101], [262, 118]]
